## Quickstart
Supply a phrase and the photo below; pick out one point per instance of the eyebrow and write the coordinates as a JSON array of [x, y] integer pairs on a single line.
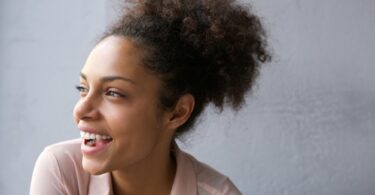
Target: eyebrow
[[110, 78]]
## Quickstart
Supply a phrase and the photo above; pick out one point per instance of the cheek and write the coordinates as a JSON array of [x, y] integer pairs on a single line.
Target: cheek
[[127, 119], [137, 121], [135, 131]]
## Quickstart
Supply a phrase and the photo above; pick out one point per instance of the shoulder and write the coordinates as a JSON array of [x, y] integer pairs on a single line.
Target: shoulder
[[66, 155], [60, 165], [65, 151], [209, 180]]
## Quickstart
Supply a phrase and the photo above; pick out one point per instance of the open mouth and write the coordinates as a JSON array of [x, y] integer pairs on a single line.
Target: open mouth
[[92, 139]]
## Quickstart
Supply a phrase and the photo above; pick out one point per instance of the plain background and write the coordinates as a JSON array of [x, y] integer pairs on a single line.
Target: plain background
[[308, 127]]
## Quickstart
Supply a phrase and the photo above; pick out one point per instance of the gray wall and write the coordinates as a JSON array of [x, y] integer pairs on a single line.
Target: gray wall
[[308, 128]]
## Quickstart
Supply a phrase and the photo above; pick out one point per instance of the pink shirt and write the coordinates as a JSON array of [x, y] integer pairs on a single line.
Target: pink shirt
[[58, 170]]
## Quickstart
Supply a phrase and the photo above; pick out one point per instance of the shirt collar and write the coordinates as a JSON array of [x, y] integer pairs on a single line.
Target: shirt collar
[[100, 184], [185, 181]]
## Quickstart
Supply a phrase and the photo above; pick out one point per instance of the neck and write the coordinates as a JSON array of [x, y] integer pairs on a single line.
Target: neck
[[154, 175]]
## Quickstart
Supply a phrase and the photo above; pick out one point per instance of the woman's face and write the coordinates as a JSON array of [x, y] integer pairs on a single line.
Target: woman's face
[[118, 112]]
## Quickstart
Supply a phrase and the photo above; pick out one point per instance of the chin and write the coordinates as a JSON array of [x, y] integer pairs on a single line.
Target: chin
[[94, 168]]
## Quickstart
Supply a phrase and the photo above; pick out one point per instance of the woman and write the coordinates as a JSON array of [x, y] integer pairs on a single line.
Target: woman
[[142, 86]]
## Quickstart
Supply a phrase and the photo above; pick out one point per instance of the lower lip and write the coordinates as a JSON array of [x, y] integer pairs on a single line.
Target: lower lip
[[92, 150]]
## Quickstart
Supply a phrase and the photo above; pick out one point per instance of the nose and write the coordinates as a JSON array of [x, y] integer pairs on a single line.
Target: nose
[[86, 109]]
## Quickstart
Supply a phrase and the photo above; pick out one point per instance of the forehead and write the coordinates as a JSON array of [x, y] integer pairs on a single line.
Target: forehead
[[114, 56], [119, 57]]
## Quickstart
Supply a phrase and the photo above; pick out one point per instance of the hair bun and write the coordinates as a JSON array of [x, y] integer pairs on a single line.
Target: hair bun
[[209, 48]]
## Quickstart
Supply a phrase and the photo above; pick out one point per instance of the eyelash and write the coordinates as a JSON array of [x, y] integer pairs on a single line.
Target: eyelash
[[113, 93], [81, 89]]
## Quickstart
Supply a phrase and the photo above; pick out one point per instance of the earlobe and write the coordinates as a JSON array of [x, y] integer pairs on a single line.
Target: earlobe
[[182, 111]]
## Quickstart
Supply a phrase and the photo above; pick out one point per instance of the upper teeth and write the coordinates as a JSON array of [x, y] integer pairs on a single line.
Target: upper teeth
[[86, 135]]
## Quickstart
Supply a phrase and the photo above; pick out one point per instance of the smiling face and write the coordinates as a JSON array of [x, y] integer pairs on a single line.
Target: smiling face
[[118, 111]]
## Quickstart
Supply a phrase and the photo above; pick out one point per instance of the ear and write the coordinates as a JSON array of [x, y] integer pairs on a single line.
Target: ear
[[181, 113]]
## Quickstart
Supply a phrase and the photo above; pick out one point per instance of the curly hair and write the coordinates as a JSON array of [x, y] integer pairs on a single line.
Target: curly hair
[[207, 48]]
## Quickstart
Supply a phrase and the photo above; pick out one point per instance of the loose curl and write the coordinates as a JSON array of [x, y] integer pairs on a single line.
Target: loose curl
[[207, 48]]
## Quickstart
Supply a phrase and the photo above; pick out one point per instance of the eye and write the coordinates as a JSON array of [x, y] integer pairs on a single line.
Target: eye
[[81, 89], [114, 93]]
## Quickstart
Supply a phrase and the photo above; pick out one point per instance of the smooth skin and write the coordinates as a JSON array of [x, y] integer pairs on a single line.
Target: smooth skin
[[120, 98]]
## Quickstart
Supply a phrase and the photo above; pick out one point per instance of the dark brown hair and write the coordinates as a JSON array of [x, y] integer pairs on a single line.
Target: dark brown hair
[[210, 49]]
